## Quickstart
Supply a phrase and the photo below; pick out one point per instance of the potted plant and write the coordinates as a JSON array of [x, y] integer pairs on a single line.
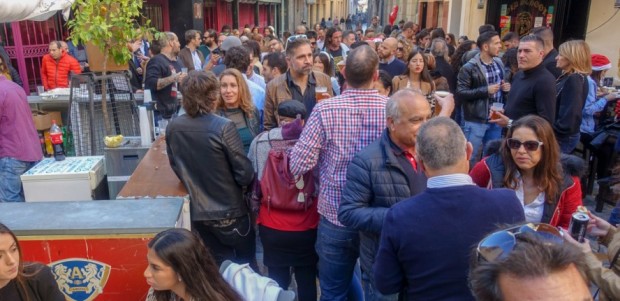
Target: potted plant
[[105, 27]]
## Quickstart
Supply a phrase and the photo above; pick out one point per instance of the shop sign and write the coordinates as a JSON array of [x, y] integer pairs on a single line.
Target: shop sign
[[504, 21]]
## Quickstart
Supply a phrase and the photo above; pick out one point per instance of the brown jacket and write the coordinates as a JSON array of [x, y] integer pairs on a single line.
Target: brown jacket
[[277, 91], [186, 58], [400, 82], [607, 279]]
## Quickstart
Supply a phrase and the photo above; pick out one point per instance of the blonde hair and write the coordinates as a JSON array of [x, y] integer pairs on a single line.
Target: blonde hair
[[245, 98], [577, 52]]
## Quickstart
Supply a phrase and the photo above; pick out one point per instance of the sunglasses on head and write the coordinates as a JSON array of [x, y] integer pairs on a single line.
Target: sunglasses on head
[[499, 244], [296, 37], [530, 145]]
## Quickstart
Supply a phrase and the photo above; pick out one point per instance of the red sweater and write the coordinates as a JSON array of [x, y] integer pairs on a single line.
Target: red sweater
[[55, 74]]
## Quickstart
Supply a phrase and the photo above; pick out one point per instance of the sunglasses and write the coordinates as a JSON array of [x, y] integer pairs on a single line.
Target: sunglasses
[[529, 146], [400, 48], [499, 244], [296, 37]]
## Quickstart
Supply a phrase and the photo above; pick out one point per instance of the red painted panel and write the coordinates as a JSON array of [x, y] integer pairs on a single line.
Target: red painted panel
[[125, 256]]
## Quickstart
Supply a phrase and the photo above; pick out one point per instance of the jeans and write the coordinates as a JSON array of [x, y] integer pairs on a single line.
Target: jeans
[[568, 143], [10, 183], [229, 239], [338, 250], [372, 294], [478, 134]]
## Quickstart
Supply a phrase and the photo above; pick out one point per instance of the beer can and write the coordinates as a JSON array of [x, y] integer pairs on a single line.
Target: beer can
[[578, 226]]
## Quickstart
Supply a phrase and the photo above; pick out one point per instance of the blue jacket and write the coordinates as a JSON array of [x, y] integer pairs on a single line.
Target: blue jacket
[[375, 181]]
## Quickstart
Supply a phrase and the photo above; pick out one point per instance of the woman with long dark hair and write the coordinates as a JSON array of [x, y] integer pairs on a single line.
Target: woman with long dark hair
[[529, 162], [417, 76], [456, 60], [23, 281], [324, 63], [181, 268]]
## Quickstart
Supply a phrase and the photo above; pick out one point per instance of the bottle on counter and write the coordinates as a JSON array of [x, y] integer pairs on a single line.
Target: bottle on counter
[[56, 137], [42, 141]]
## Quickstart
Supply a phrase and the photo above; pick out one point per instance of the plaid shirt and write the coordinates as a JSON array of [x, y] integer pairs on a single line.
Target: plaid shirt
[[337, 129], [494, 75]]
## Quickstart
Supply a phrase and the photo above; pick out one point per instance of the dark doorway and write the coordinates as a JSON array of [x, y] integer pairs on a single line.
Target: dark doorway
[[423, 11], [567, 18]]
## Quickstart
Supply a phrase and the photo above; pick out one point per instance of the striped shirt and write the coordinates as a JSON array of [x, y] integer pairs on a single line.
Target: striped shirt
[[456, 179], [336, 130]]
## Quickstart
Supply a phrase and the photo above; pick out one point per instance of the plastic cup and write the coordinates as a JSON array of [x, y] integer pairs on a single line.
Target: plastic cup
[[495, 108], [320, 93], [183, 70], [40, 90], [437, 105]]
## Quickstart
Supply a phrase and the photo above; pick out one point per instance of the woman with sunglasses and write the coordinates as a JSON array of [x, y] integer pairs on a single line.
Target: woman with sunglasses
[[323, 63], [417, 76], [181, 268], [23, 281], [528, 161], [235, 103], [403, 48]]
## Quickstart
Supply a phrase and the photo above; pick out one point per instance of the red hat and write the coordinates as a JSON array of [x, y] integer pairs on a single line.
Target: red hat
[[600, 62]]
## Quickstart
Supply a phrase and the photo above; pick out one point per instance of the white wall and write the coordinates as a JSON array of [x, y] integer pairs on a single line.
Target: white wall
[[603, 33]]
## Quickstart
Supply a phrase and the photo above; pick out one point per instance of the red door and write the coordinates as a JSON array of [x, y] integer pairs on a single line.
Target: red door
[[27, 41]]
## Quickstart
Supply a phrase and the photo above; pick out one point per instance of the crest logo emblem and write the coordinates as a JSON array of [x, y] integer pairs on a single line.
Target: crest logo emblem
[[80, 279]]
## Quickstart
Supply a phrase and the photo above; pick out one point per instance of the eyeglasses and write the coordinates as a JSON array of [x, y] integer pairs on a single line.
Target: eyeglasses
[[530, 146], [400, 48], [204, 38], [498, 245], [312, 43]]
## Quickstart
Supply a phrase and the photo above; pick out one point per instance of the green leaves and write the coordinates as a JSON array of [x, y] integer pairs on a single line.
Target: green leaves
[[109, 25]]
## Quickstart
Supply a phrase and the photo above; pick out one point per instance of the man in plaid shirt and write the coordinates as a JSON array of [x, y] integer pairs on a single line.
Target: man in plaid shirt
[[480, 83], [336, 130]]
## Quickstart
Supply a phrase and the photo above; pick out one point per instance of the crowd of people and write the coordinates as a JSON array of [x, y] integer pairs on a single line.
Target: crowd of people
[[397, 147]]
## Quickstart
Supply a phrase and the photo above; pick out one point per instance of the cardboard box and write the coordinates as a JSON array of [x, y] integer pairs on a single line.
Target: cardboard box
[[43, 120]]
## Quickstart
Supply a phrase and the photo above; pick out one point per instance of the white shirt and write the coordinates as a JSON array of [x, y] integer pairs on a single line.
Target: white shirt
[[196, 59], [534, 210], [457, 179]]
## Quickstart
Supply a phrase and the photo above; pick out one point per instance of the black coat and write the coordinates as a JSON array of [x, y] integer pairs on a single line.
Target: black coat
[[472, 90], [375, 182], [445, 69], [206, 153]]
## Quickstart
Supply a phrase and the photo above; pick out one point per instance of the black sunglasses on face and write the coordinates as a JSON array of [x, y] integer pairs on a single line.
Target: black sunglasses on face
[[400, 48], [529, 146]]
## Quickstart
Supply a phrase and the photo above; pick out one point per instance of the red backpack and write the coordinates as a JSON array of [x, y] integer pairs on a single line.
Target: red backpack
[[280, 188]]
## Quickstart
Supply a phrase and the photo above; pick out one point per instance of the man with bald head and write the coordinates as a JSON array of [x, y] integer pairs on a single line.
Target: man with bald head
[[383, 174], [387, 56], [426, 240]]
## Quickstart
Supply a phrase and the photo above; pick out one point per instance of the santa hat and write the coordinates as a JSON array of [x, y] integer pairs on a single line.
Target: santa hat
[[600, 62]]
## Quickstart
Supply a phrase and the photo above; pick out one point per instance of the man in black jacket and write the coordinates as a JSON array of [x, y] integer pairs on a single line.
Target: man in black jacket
[[480, 84], [206, 153], [533, 87], [384, 173], [546, 34]]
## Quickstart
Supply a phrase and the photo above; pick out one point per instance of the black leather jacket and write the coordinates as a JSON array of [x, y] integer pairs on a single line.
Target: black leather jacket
[[206, 153], [472, 90]]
